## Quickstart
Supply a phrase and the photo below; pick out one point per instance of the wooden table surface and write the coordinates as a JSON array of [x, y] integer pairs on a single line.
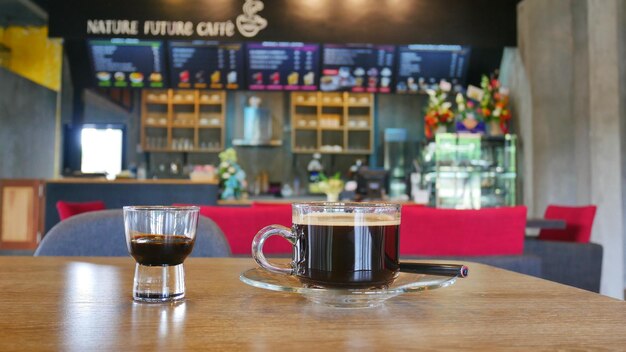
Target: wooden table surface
[[84, 304]]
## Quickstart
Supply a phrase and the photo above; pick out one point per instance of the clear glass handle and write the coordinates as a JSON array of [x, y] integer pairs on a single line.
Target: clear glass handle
[[257, 247]]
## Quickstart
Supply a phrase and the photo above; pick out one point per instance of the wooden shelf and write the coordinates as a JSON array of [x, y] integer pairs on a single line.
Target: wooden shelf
[[206, 150], [183, 125], [191, 132], [348, 151], [157, 149], [357, 151], [154, 125], [338, 112]]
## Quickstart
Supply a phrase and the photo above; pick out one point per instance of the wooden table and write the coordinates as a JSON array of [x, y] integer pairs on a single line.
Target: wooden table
[[84, 304]]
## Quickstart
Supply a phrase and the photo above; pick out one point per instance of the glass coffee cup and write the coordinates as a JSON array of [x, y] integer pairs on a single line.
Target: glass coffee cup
[[338, 245], [160, 238]]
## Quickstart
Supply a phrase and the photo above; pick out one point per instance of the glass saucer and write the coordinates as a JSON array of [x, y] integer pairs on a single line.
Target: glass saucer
[[345, 298]]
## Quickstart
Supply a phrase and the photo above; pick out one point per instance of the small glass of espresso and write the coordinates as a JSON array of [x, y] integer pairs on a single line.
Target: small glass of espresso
[[338, 245], [160, 238]]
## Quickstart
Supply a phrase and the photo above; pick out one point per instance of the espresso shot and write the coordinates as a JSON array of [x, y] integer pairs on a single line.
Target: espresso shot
[[347, 250], [158, 250]]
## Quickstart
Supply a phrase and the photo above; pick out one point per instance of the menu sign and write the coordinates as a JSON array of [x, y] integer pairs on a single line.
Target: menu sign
[[282, 66], [424, 66], [122, 63], [357, 68], [206, 64]]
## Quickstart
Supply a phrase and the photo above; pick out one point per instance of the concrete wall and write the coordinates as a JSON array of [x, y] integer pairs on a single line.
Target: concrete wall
[[27, 124], [572, 122]]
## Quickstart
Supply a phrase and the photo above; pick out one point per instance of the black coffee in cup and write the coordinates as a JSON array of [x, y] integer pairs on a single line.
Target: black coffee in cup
[[346, 250], [158, 250]]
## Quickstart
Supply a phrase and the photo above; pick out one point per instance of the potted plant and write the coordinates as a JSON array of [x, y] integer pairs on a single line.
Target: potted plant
[[331, 186], [231, 175]]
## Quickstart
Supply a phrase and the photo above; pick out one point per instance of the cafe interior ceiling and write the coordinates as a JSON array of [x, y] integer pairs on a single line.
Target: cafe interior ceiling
[[486, 23]]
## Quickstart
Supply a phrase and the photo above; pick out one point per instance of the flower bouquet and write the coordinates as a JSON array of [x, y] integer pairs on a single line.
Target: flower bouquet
[[231, 175], [494, 105], [438, 114], [331, 186], [467, 119]]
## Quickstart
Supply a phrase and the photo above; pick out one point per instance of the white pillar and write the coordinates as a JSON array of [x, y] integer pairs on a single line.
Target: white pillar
[[574, 58], [606, 118]]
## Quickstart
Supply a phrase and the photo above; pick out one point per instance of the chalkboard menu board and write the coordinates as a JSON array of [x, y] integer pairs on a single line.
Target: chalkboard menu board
[[424, 66], [122, 63], [282, 66], [357, 68], [206, 64]]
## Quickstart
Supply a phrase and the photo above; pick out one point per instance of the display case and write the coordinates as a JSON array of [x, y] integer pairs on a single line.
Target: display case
[[469, 171]]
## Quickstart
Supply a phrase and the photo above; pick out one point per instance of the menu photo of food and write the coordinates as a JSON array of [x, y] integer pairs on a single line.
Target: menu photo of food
[[136, 79], [231, 80], [104, 79], [156, 80], [257, 78], [308, 79], [339, 79], [274, 80], [120, 79], [292, 78]]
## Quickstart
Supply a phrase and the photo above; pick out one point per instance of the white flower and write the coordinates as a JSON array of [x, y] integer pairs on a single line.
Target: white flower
[[225, 175], [231, 170], [223, 165]]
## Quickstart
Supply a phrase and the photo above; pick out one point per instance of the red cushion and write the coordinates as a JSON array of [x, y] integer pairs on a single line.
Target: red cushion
[[240, 224], [448, 232], [579, 221], [68, 209], [272, 204]]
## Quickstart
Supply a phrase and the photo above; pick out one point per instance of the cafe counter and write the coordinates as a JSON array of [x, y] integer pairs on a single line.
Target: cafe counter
[[28, 206], [118, 193]]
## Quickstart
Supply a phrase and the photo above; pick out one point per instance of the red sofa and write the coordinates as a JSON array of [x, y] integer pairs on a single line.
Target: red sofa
[[240, 224], [449, 232], [424, 231], [493, 236]]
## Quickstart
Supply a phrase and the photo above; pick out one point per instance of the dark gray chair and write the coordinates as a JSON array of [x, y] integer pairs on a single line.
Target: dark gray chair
[[570, 263], [101, 233]]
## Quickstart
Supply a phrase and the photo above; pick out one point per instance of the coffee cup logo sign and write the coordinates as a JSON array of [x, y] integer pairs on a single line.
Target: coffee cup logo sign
[[249, 24]]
